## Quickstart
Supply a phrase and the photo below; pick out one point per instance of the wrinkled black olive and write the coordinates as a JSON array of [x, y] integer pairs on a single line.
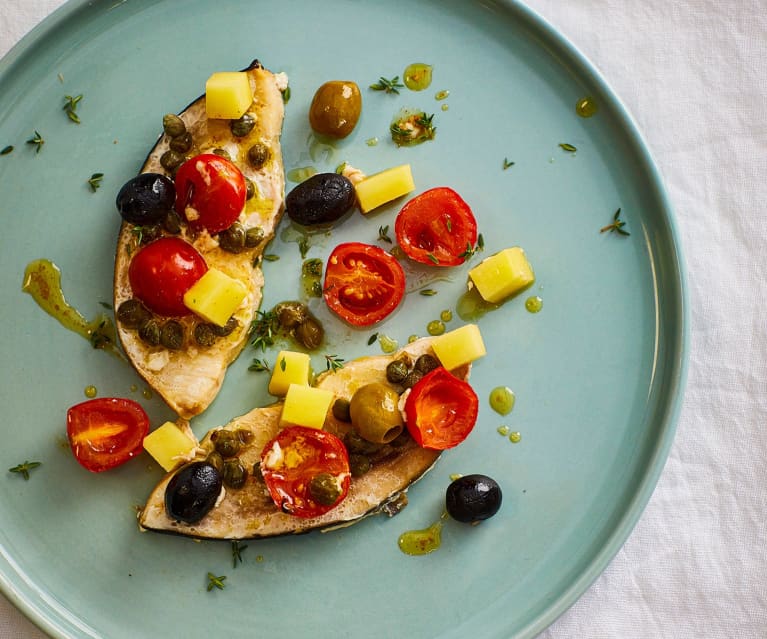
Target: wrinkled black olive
[[146, 199], [472, 498], [192, 492], [322, 199]]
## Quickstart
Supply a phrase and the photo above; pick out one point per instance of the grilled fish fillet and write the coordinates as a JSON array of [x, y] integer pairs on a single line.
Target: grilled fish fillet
[[249, 512], [189, 379]]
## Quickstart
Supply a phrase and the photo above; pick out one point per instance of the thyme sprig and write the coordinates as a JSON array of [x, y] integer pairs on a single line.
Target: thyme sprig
[[507, 164], [263, 329], [237, 553], [616, 226], [216, 582], [333, 363], [24, 468], [259, 365], [413, 129], [37, 140], [473, 250], [383, 234], [95, 181], [70, 107], [388, 86]]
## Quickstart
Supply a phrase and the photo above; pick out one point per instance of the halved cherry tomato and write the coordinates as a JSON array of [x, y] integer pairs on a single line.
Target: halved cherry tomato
[[162, 271], [210, 192], [436, 227], [294, 458], [106, 432], [441, 410], [363, 283]]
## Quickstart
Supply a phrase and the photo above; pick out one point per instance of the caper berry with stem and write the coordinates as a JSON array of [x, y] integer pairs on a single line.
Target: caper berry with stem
[[243, 125], [132, 313], [234, 473], [172, 335], [226, 443], [173, 125], [324, 489]]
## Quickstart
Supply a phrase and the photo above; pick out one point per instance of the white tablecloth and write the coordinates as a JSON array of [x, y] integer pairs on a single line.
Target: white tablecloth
[[694, 75]]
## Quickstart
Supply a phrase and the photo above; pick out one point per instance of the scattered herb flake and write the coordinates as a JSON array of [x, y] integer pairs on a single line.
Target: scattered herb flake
[[259, 366], [412, 127], [286, 95], [383, 234], [372, 339], [70, 107], [6, 150], [95, 181], [507, 164], [568, 147], [37, 140], [616, 226], [303, 246], [388, 86], [271, 257], [237, 552], [333, 363], [23, 469], [283, 364], [215, 582], [427, 292]]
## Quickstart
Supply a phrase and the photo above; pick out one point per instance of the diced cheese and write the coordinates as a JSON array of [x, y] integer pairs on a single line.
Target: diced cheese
[[169, 445], [306, 406], [502, 275], [227, 95], [289, 368], [384, 187], [458, 347], [215, 296]]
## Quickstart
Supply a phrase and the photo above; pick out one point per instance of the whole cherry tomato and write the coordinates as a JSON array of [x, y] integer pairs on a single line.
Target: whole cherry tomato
[[162, 271], [363, 283], [106, 432], [441, 410], [210, 192], [306, 471], [436, 227]]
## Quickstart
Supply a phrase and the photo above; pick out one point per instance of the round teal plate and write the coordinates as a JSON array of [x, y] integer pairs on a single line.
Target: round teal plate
[[598, 372]]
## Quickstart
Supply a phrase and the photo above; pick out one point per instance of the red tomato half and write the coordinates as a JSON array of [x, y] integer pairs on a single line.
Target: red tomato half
[[162, 271], [436, 227], [441, 410], [106, 432], [210, 192], [363, 283], [292, 459]]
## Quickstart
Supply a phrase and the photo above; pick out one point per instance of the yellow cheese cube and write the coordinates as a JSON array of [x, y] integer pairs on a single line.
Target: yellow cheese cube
[[458, 347], [169, 445], [227, 95], [289, 368], [502, 275], [215, 296], [384, 187], [306, 406]]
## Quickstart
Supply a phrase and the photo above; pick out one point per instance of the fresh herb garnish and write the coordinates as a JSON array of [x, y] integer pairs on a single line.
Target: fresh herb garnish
[[95, 181], [427, 292], [271, 257], [616, 226], [303, 246], [6, 150], [389, 86], [286, 95], [433, 258], [236, 553], [383, 234], [263, 329], [372, 339], [333, 363], [37, 140], [341, 168], [23, 469], [412, 128], [101, 338], [471, 251], [568, 147], [70, 107], [215, 582], [259, 366], [283, 364], [507, 164]]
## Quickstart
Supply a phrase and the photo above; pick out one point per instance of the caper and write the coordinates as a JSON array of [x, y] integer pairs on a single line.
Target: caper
[[149, 233], [324, 489], [215, 460], [171, 160], [396, 371], [359, 464], [425, 364], [290, 314], [149, 331], [413, 377], [227, 329], [309, 333], [172, 222], [256, 472], [132, 313], [245, 435], [336, 108], [232, 239], [173, 125], [234, 473], [223, 153], [341, 410], [250, 189], [226, 443], [356, 444], [172, 335], [254, 236], [203, 334], [243, 125], [258, 154], [181, 143]]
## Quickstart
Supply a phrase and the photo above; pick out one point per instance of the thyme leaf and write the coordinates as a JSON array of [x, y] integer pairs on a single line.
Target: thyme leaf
[[95, 181], [568, 147], [259, 366], [507, 164], [427, 292], [23, 469], [333, 363], [6, 150], [388, 86], [263, 329], [616, 226], [215, 582], [37, 140], [372, 339], [383, 234], [70, 107], [236, 553]]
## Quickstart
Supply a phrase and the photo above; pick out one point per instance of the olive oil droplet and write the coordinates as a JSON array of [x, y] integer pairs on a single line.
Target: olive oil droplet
[[534, 304], [90, 391], [503, 430], [371, 141], [515, 437], [417, 76], [435, 327], [586, 107], [441, 95], [147, 393], [502, 400], [421, 542], [446, 315], [388, 345], [301, 174]]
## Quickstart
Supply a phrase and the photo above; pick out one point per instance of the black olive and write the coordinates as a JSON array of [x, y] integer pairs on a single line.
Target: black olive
[[472, 498], [132, 313], [425, 364], [322, 199], [242, 126], [181, 143], [173, 125], [192, 492], [146, 199]]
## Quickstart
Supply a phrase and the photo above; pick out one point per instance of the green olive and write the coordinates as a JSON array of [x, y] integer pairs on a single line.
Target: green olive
[[324, 489], [234, 473], [336, 108], [396, 371], [226, 443], [258, 154], [173, 125], [182, 143], [172, 335], [375, 413], [132, 313]]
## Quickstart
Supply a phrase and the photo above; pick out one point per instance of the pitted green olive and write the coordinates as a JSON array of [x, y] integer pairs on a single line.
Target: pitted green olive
[[375, 414]]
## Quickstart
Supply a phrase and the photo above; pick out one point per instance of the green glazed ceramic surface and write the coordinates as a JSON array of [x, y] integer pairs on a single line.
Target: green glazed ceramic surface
[[597, 373]]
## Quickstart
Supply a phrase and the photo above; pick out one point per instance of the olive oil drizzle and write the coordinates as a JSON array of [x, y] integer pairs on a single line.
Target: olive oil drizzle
[[424, 541], [42, 280]]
